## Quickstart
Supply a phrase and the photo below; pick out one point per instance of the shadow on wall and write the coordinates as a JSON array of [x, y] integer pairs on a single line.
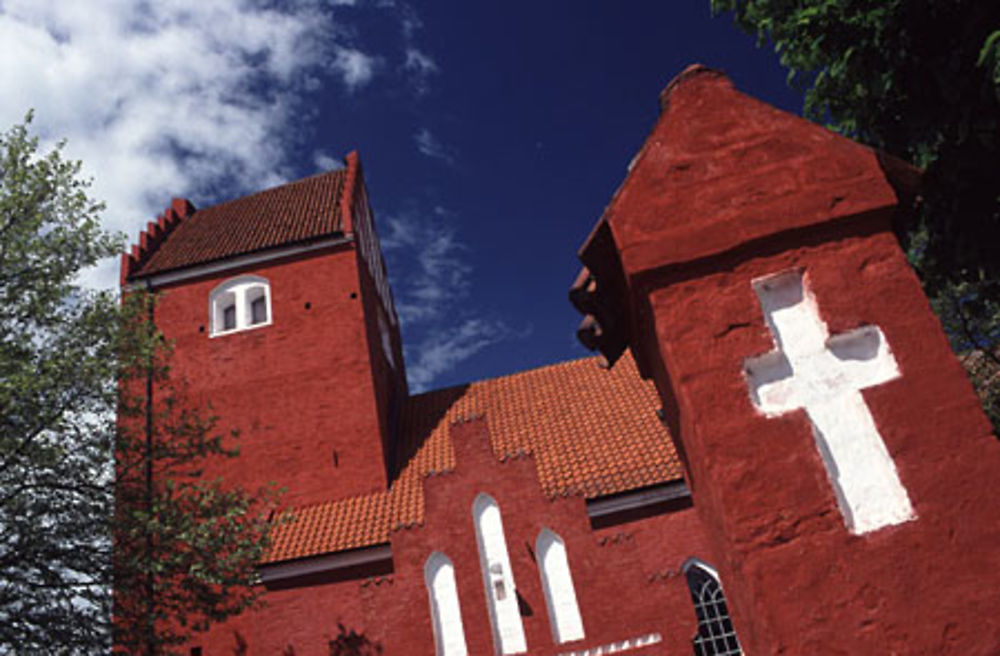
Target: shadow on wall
[[352, 643]]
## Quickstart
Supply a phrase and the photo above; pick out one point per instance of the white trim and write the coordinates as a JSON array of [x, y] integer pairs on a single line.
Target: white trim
[[632, 500], [498, 577], [617, 647], [557, 583], [694, 561], [326, 563], [196, 271], [446, 610]]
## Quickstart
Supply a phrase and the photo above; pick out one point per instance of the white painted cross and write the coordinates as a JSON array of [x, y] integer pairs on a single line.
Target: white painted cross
[[825, 375]]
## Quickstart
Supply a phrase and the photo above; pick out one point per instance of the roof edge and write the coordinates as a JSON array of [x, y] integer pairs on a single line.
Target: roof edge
[[353, 163], [691, 72]]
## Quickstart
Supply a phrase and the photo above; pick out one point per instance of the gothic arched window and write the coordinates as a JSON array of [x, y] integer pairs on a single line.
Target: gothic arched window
[[716, 635], [557, 582], [446, 614], [239, 304], [498, 579]]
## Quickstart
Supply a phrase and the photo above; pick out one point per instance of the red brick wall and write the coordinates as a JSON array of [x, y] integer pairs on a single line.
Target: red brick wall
[[627, 576], [298, 389]]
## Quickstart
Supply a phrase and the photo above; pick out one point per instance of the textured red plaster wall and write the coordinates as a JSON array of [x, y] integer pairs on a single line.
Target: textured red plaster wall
[[297, 390], [798, 581]]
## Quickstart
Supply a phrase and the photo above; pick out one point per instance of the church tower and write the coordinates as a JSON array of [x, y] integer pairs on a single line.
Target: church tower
[[283, 324]]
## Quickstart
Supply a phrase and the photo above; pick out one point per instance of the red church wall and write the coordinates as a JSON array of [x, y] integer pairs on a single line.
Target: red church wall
[[298, 390], [800, 582], [775, 193], [627, 576]]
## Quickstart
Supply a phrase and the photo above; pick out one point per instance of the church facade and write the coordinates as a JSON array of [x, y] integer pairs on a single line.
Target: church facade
[[774, 452]]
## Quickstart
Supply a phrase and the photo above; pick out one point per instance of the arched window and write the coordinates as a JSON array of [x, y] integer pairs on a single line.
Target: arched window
[[239, 304], [557, 582], [498, 579], [446, 614], [716, 635]]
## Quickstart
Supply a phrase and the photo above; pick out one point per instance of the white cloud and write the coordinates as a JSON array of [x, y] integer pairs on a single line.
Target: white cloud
[[168, 98], [355, 67], [430, 146], [326, 162]]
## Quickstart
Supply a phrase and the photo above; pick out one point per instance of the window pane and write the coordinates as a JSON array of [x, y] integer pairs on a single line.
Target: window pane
[[258, 310], [229, 317], [716, 636]]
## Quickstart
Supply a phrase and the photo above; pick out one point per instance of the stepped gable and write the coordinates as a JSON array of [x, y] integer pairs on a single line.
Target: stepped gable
[[293, 213], [590, 431], [154, 235]]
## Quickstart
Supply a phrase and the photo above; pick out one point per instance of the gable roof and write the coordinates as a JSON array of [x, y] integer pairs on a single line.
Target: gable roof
[[292, 213], [591, 432]]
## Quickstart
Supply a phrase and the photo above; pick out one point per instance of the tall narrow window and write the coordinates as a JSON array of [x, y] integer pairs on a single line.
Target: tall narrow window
[[446, 614], [239, 304], [498, 579], [716, 635], [557, 582]]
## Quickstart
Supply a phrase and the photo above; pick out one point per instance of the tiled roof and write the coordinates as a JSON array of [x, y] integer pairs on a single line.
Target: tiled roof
[[591, 431], [292, 213]]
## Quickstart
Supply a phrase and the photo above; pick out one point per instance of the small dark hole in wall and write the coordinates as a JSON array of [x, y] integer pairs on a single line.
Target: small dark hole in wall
[[354, 294], [308, 305], [336, 458], [201, 329], [195, 651]]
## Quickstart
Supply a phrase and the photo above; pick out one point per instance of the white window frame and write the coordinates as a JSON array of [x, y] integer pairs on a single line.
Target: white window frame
[[446, 611], [557, 583], [498, 577], [242, 291]]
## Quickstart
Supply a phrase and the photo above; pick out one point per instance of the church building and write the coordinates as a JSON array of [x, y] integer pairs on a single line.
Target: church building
[[774, 452]]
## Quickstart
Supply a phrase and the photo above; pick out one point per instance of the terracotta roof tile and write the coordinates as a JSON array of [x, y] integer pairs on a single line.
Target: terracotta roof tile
[[292, 213], [592, 432]]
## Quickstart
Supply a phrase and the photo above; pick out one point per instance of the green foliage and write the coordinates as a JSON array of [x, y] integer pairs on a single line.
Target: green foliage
[[184, 546], [57, 395], [921, 80], [70, 360]]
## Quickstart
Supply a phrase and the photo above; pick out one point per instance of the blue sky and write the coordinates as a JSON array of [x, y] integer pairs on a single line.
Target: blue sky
[[492, 134]]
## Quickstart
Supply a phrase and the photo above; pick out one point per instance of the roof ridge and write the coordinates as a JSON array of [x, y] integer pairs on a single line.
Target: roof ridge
[[283, 185], [552, 365]]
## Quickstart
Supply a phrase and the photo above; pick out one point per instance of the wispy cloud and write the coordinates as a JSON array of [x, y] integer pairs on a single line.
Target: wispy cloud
[[430, 146], [174, 97], [323, 161], [419, 67], [356, 69], [443, 350], [430, 271]]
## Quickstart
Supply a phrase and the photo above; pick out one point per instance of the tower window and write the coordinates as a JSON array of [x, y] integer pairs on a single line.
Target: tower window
[[258, 310], [240, 304], [229, 317]]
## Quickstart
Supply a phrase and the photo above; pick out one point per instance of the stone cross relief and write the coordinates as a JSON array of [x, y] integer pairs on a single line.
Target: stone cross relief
[[824, 375]]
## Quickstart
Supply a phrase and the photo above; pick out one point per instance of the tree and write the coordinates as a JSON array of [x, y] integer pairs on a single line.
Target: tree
[[99, 449], [921, 80], [57, 394]]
